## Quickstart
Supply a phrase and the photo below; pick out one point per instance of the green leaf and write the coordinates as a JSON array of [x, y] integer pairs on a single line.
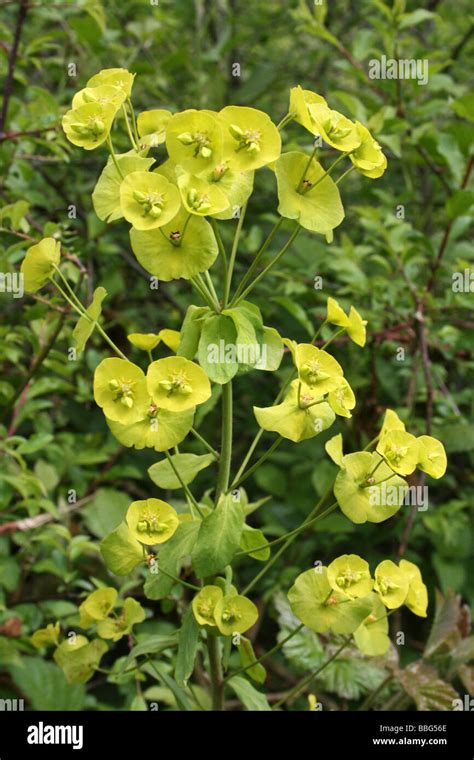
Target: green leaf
[[106, 195], [248, 694], [252, 538], [414, 18], [188, 466], [171, 557], [459, 203], [247, 656], [180, 696], [85, 325], [105, 511], [44, 684], [151, 645], [218, 538], [191, 331], [187, 648], [217, 348], [121, 551], [464, 107]]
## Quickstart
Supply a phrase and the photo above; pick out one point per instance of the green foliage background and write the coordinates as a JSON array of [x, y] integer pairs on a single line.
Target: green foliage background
[[397, 272]]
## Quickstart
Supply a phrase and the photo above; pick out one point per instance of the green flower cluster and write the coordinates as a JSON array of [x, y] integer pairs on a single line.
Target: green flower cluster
[[78, 657], [344, 598]]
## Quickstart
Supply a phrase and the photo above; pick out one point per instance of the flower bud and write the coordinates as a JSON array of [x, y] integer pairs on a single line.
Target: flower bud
[[236, 132], [186, 138]]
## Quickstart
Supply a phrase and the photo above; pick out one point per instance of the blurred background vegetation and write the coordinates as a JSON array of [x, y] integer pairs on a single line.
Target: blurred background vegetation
[[393, 258]]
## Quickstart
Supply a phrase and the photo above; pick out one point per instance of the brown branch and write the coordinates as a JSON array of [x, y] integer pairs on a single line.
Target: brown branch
[[29, 523], [7, 90], [26, 133], [444, 240]]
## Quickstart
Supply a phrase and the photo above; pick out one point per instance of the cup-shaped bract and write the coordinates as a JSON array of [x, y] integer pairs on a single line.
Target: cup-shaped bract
[[356, 327], [391, 421], [364, 497], [97, 606], [88, 126], [392, 583], [307, 193], [158, 429], [204, 604], [321, 608], [105, 94], [350, 574], [46, 637], [400, 450], [317, 369], [200, 197], [152, 521], [431, 456], [120, 78], [342, 399], [335, 128], [299, 101], [237, 187], [297, 418], [372, 635], [235, 614], [115, 628], [148, 200], [151, 126], [39, 263], [251, 139], [417, 597], [194, 139], [177, 384], [120, 389], [335, 314], [181, 249], [368, 158]]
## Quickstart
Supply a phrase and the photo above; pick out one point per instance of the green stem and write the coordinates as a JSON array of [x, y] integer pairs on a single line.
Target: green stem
[[308, 679], [211, 287], [271, 651], [338, 332], [114, 159], [183, 484], [178, 580], [344, 174], [233, 254], [302, 178], [288, 541], [222, 252], [257, 464], [248, 456], [292, 534], [214, 300], [215, 668], [127, 123], [84, 313], [206, 297], [281, 124], [270, 265], [205, 443], [248, 275], [226, 441], [326, 173], [370, 699], [134, 122]]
